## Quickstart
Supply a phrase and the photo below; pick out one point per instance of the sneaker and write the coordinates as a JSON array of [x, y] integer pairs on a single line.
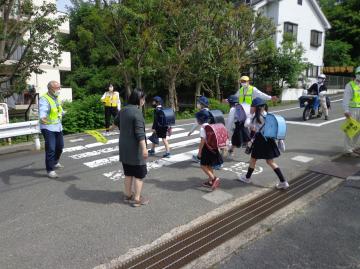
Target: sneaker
[[58, 166], [52, 174], [207, 184], [195, 158], [151, 152], [244, 179], [215, 183], [138, 203], [282, 185], [166, 155]]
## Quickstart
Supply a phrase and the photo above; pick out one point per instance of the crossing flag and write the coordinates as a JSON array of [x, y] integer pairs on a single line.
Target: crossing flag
[[351, 127], [98, 136]]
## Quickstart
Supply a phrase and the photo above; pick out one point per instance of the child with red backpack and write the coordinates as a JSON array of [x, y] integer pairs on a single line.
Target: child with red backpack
[[261, 147], [235, 124], [209, 157]]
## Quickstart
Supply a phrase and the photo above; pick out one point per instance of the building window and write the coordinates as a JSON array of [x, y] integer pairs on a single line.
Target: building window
[[300, 2], [313, 71], [291, 28], [316, 38]]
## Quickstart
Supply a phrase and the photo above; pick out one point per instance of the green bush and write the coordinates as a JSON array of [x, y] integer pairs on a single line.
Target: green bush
[[215, 104], [85, 114]]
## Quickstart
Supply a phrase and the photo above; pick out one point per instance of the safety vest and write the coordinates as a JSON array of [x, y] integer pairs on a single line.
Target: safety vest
[[355, 101], [56, 110], [111, 100], [246, 98]]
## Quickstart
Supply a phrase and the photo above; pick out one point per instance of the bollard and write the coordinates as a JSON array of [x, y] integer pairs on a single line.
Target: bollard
[[37, 142]]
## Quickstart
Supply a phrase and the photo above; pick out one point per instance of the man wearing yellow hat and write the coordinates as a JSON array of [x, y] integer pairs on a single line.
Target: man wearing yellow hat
[[247, 92], [351, 105]]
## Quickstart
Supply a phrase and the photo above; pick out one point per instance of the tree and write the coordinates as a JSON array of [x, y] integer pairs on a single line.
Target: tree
[[337, 53], [28, 38]]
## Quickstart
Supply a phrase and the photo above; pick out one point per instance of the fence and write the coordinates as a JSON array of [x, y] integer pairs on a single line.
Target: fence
[[336, 82]]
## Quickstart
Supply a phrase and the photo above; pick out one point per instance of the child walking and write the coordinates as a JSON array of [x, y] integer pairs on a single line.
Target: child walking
[[235, 124], [208, 157], [262, 148], [160, 131]]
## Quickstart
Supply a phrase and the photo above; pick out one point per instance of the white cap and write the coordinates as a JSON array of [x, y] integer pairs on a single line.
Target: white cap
[[322, 76]]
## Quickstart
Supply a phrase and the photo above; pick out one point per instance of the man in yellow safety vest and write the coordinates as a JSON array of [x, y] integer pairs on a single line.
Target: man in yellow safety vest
[[50, 114], [247, 92], [351, 105], [111, 100]]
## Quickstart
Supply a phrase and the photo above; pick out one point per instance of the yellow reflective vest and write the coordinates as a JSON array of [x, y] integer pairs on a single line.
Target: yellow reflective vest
[[246, 98], [355, 101], [111, 100], [56, 110]]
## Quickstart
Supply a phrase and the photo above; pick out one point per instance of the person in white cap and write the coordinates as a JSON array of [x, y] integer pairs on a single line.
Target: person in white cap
[[247, 92], [319, 89], [351, 105]]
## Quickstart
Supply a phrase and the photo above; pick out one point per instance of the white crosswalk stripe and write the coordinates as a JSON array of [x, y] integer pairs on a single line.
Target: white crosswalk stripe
[[108, 160], [114, 141], [186, 156]]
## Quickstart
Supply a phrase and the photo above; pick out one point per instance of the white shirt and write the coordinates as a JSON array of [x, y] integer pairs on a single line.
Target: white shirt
[[230, 123], [256, 93], [348, 95], [202, 131], [112, 94], [253, 124], [196, 124]]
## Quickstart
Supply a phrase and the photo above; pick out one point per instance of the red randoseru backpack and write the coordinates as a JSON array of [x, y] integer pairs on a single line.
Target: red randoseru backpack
[[216, 136]]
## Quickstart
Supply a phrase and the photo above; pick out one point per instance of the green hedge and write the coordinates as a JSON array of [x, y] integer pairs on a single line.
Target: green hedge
[[85, 114], [215, 104]]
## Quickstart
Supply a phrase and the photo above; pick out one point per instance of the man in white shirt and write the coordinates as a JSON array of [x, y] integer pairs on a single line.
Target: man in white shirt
[[112, 102], [351, 105]]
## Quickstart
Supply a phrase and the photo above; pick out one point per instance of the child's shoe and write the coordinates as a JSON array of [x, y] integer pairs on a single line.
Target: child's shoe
[[215, 183], [166, 155], [244, 179], [151, 152], [195, 158], [282, 185], [207, 184]]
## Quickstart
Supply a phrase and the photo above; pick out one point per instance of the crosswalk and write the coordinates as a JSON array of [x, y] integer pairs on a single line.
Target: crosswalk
[[106, 156]]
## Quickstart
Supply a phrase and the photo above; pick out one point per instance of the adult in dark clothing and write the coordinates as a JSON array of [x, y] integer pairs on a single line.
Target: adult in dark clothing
[[132, 147], [319, 89]]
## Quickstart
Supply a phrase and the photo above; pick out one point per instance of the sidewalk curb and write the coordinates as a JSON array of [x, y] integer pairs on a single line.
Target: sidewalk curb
[[225, 250]]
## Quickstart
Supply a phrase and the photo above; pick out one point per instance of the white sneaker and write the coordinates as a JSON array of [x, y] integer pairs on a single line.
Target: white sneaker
[[58, 166], [52, 174], [282, 185], [243, 178]]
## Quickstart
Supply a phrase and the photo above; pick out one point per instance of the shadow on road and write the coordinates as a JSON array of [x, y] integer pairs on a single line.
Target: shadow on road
[[94, 196]]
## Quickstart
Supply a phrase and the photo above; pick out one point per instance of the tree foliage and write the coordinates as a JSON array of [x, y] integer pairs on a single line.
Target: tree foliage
[[28, 38]]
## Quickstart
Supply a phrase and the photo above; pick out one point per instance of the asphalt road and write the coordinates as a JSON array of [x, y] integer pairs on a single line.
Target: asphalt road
[[79, 220]]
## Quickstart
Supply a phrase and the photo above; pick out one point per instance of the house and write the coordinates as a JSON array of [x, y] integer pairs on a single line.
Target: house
[[39, 81], [304, 19]]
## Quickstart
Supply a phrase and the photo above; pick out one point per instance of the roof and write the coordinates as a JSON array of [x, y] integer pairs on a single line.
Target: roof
[[313, 3]]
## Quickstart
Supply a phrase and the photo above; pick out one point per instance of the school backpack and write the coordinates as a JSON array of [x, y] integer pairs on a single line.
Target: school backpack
[[275, 127], [216, 116], [166, 117], [216, 136], [240, 114]]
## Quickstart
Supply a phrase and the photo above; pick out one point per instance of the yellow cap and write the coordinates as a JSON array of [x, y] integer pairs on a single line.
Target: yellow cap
[[245, 78]]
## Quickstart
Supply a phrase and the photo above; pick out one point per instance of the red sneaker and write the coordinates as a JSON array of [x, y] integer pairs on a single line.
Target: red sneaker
[[215, 183]]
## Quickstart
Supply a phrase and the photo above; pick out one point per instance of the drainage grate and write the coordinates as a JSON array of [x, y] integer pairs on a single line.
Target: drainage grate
[[192, 244]]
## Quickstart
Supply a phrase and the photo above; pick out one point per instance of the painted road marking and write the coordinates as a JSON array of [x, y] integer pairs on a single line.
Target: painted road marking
[[242, 167], [315, 124], [186, 156], [116, 140], [76, 140], [353, 178], [108, 160], [112, 149], [302, 159], [217, 197]]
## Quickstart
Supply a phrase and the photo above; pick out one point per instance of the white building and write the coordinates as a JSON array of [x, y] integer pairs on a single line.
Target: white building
[[304, 19], [50, 72]]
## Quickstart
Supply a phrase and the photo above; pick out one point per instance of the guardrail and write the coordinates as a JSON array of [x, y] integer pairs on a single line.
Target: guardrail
[[22, 128]]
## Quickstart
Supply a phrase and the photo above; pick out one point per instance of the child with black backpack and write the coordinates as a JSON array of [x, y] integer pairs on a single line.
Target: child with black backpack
[[208, 157], [261, 147], [158, 130], [235, 124]]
